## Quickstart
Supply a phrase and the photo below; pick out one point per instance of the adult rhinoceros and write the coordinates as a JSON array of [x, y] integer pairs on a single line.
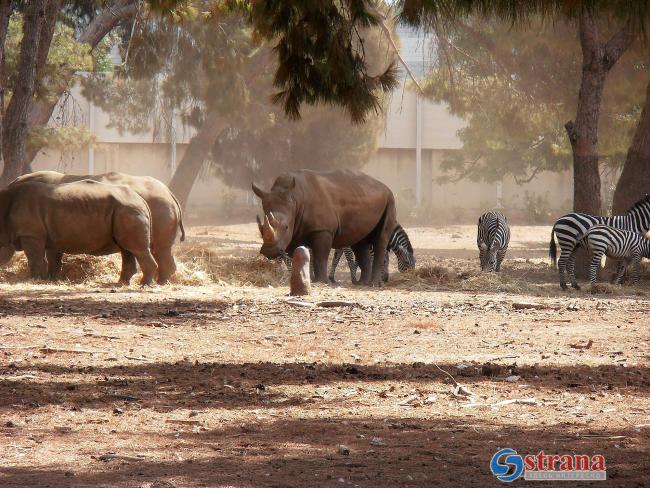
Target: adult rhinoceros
[[84, 217], [322, 210], [166, 212]]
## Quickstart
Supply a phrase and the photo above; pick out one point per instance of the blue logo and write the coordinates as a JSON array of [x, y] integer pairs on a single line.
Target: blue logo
[[511, 463]]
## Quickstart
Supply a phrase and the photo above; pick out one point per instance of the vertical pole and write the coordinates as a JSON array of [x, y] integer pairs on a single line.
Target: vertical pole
[[418, 149], [172, 148], [91, 148], [499, 194]]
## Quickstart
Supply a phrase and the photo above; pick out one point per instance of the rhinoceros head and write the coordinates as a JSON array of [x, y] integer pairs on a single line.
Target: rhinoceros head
[[279, 216]]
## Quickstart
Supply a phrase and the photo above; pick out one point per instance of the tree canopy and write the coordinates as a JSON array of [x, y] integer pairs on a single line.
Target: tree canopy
[[516, 90], [215, 67]]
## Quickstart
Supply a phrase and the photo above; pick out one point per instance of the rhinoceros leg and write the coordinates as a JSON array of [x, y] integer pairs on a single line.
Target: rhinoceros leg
[[382, 236], [166, 264], [54, 263], [362, 255], [321, 243], [131, 233], [128, 267], [148, 266], [35, 252]]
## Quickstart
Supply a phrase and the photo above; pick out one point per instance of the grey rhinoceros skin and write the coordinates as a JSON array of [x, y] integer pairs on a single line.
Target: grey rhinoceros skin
[[82, 217], [322, 210], [166, 213]]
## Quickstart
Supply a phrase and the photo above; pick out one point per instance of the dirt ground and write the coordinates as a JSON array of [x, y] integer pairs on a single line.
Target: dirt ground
[[221, 380]]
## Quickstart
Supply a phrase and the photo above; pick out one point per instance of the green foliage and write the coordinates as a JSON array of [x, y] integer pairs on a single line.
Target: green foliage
[[516, 88], [321, 55], [65, 55], [61, 138]]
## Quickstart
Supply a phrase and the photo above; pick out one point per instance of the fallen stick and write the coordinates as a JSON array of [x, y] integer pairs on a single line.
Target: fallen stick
[[534, 306], [183, 421], [19, 377], [296, 303], [582, 346], [79, 351], [336, 303], [518, 401], [512, 356], [112, 457]]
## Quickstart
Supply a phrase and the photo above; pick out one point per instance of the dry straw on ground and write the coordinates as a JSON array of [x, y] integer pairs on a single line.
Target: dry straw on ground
[[200, 265]]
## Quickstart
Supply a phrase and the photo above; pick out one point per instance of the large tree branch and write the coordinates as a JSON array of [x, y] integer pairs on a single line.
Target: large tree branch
[[616, 46], [106, 20]]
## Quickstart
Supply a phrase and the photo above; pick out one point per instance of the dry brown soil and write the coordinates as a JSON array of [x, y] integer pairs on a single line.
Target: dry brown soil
[[213, 381]]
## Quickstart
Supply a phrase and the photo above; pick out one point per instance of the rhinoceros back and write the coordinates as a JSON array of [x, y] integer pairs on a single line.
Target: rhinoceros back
[[78, 217], [349, 204]]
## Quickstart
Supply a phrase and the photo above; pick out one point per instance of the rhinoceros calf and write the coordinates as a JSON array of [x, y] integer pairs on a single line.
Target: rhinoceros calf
[[84, 217], [166, 214], [321, 210]]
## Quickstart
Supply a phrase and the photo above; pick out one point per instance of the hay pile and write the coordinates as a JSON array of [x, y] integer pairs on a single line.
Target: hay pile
[[197, 265], [76, 269], [518, 276]]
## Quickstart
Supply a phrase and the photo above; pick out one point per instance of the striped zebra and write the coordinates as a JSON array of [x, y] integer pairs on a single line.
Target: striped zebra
[[492, 239], [627, 246], [399, 243], [569, 227]]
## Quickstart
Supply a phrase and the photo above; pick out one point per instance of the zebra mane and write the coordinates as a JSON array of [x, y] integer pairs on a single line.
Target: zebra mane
[[644, 202]]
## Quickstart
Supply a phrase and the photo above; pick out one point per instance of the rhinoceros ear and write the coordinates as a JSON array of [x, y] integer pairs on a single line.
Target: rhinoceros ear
[[259, 224], [258, 191], [292, 184]]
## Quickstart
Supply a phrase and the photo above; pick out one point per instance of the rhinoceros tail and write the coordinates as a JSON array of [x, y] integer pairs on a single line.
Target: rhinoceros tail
[[180, 216]]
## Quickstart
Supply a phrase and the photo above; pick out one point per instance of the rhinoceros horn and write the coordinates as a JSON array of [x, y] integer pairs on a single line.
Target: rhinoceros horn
[[272, 220], [268, 233]]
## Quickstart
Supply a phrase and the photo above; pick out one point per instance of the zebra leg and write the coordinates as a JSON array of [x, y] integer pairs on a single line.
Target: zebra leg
[[594, 267], [562, 266], [571, 269], [501, 253], [636, 264], [620, 271], [352, 263], [335, 263]]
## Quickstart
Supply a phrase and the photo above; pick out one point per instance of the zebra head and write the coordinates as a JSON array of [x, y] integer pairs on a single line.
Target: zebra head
[[488, 257], [640, 214], [405, 259]]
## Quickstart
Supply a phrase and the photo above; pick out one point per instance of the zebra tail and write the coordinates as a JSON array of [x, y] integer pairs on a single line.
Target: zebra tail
[[552, 248]]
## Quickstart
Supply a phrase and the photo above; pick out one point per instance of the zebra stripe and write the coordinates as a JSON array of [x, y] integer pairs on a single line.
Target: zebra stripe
[[569, 227], [492, 238], [627, 246], [399, 243]]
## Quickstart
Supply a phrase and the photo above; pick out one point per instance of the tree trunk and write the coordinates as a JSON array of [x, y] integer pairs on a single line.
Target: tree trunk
[[197, 152], [634, 182], [5, 13], [100, 26], [15, 127], [597, 60]]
